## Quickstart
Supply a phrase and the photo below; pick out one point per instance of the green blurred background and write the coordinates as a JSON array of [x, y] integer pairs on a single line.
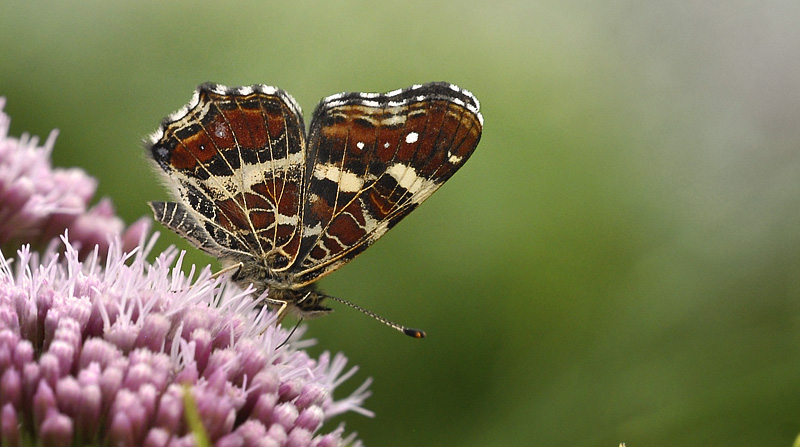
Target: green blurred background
[[619, 261]]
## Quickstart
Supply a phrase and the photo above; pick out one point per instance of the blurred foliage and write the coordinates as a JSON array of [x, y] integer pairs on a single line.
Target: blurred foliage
[[620, 260]]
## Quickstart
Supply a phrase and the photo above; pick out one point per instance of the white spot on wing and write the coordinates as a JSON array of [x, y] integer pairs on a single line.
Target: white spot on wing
[[412, 137], [281, 219], [348, 182], [246, 90], [333, 97], [407, 177], [360, 145], [313, 231], [394, 120], [267, 89], [219, 89], [220, 131]]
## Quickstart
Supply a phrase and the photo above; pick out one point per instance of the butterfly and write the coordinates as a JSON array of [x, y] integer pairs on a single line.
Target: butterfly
[[282, 207]]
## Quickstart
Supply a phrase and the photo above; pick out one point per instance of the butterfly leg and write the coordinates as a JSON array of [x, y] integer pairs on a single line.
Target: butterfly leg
[[282, 306], [227, 269]]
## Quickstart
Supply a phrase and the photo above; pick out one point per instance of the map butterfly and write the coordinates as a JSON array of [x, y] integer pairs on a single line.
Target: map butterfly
[[283, 207]]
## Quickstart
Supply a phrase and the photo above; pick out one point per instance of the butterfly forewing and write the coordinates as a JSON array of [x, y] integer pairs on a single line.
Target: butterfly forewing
[[237, 157], [372, 160]]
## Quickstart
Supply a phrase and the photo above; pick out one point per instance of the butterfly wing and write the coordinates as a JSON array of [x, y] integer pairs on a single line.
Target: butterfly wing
[[376, 157], [236, 158]]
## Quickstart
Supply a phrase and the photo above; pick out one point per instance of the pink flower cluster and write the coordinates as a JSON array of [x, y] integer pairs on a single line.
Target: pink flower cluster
[[95, 354], [38, 202]]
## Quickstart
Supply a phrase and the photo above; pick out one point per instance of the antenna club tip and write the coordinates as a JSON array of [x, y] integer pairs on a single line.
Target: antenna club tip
[[416, 333]]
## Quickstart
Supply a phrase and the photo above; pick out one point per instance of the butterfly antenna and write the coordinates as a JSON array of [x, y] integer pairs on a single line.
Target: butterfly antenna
[[411, 332], [290, 334]]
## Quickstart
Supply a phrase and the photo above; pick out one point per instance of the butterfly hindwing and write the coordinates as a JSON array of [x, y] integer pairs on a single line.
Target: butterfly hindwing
[[237, 157]]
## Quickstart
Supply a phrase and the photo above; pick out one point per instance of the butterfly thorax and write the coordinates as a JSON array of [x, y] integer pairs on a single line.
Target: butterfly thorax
[[300, 301]]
